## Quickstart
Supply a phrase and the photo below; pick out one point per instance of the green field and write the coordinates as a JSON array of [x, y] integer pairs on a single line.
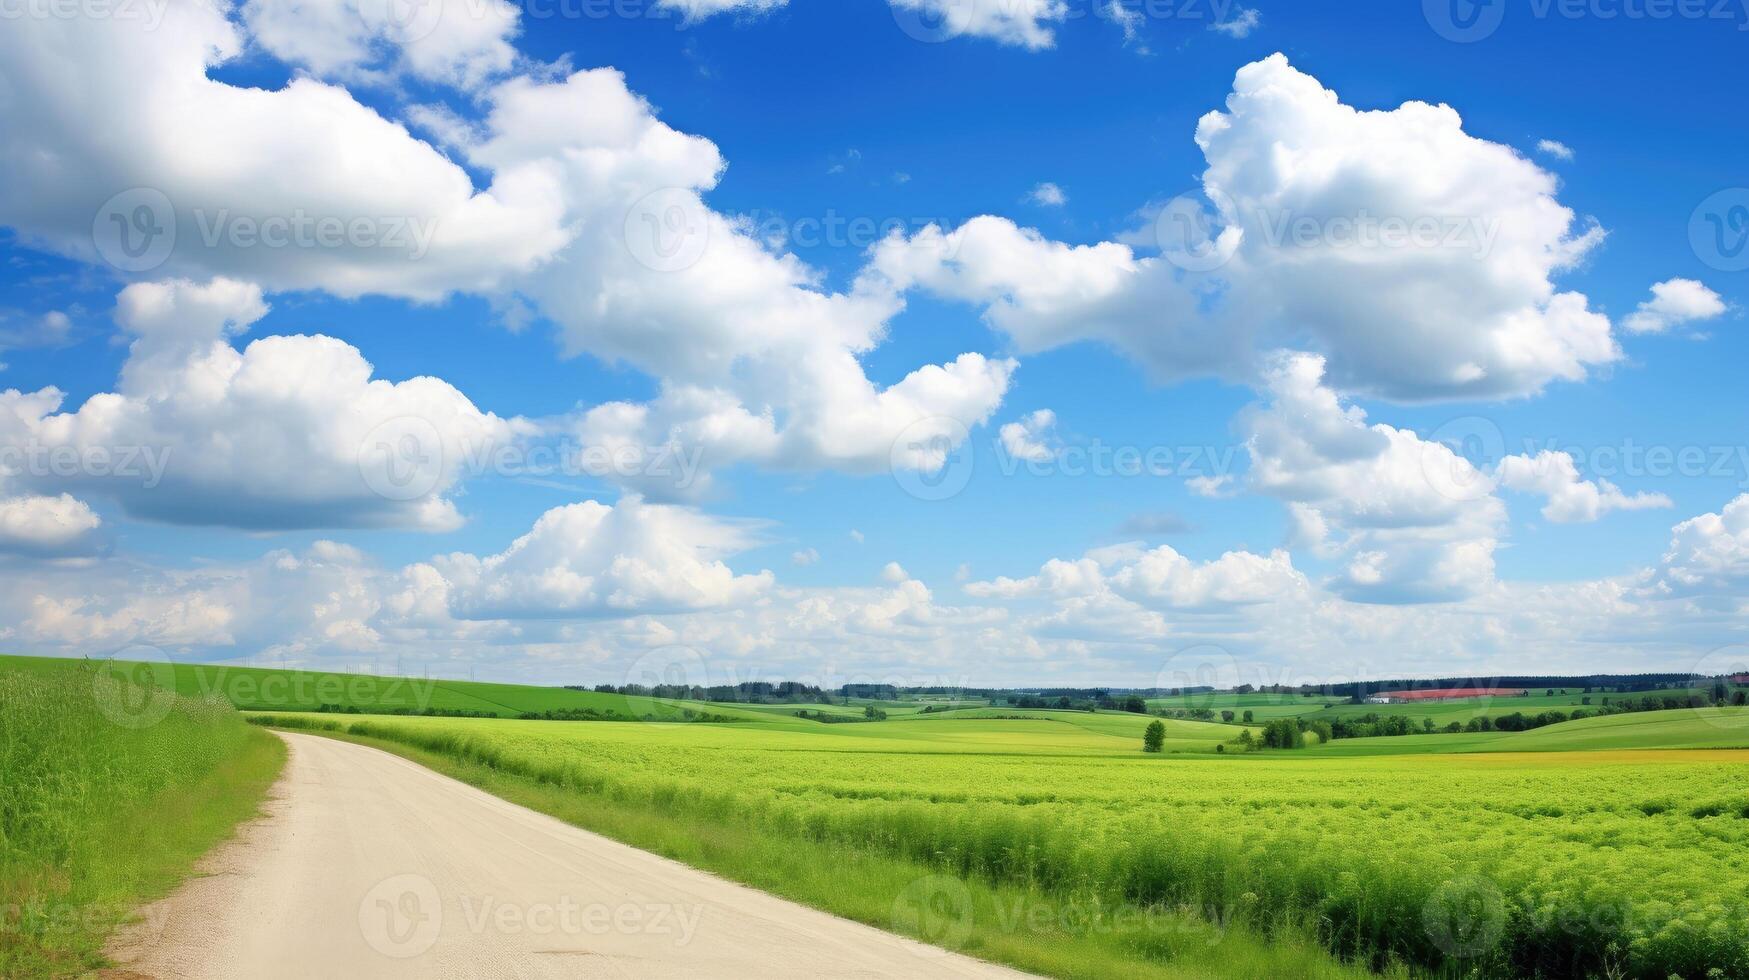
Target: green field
[[109, 791], [1610, 846], [1589, 860]]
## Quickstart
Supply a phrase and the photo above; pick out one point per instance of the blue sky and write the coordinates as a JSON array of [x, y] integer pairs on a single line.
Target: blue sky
[[833, 121]]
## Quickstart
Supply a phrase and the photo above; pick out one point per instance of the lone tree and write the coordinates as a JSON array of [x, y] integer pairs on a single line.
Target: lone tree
[[1154, 739]]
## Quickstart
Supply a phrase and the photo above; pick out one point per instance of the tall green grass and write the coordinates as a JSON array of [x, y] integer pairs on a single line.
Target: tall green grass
[[110, 789]]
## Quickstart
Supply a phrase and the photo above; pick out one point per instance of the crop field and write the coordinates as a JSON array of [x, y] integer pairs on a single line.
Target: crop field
[[1630, 861]]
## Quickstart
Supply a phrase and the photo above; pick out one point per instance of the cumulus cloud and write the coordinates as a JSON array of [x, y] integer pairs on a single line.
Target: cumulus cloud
[[197, 177], [1673, 303], [51, 527], [1029, 439], [1159, 579], [590, 560], [1418, 259], [290, 432], [1021, 23], [745, 343], [593, 217], [1709, 554], [1163, 578], [1412, 520], [1570, 498], [456, 42]]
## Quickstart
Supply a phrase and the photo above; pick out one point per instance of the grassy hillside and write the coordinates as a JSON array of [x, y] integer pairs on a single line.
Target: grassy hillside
[[109, 791], [272, 689]]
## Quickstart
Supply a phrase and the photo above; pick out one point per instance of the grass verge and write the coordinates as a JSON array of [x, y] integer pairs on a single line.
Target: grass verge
[[1055, 933], [110, 790]]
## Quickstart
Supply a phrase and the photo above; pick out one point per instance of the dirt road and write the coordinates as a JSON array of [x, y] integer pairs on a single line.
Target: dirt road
[[368, 865]]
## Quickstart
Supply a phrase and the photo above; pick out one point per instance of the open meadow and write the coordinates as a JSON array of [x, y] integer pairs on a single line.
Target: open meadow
[[1612, 846]]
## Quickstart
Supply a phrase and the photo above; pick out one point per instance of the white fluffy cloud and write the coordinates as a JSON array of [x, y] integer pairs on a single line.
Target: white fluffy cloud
[[1570, 498], [1419, 259], [1022, 23], [1412, 519], [1709, 554], [295, 188], [58, 526], [1159, 579], [594, 214], [591, 559], [457, 42], [290, 432], [1673, 303], [746, 343]]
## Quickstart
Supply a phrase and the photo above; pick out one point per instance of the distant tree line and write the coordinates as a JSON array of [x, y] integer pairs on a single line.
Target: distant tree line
[[1619, 683], [353, 709], [751, 692]]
